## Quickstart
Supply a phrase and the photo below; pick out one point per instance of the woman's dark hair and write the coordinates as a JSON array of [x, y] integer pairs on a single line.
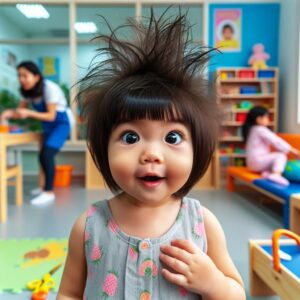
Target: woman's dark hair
[[38, 89], [156, 76], [253, 114]]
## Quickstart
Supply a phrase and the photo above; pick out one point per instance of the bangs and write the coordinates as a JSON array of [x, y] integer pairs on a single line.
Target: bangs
[[163, 109], [157, 102]]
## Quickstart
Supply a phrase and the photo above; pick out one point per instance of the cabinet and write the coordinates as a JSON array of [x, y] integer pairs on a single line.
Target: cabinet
[[240, 89]]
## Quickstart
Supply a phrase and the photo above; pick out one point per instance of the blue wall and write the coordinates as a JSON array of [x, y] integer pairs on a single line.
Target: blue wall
[[260, 24]]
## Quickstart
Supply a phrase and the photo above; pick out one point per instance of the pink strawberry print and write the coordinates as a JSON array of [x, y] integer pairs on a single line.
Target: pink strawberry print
[[110, 285], [133, 253], [145, 295], [91, 211], [112, 225], [198, 230], [96, 254], [148, 268], [86, 236], [182, 291]]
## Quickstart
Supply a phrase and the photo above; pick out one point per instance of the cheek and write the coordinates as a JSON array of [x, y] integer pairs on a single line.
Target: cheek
[[120, 165], [181, 164]]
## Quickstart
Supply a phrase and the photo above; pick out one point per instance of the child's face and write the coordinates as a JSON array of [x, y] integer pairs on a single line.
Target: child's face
[[263, 120], [227, 33], [150, 160]]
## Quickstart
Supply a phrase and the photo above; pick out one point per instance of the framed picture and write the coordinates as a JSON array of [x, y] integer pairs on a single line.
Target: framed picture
[[227, 29], [50, 67]]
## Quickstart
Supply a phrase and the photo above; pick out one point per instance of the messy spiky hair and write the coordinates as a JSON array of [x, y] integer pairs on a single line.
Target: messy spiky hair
[[157, 76]]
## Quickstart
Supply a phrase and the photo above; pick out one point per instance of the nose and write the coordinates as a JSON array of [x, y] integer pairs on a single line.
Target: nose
[[151, 155]]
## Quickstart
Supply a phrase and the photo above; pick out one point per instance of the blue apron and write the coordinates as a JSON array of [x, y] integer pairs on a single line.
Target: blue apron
[[55, 132]]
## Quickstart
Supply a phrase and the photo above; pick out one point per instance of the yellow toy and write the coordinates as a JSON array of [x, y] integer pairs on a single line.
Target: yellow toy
[[41, 287]]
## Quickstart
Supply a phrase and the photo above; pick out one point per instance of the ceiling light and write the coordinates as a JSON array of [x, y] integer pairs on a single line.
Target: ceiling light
[[33, 11], [85, 27]]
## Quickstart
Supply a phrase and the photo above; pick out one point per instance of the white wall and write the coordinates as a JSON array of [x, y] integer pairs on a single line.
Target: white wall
[[289, 65], [8, 74]]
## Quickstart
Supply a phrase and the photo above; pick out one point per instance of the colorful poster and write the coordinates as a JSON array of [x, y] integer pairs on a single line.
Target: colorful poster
[[50, 68], [227, 29]]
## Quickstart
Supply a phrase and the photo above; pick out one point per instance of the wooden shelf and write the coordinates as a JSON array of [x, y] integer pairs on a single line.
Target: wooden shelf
[[246, 96], [231, 139], [237, 155], [230, 84], [248, 80], [234, 123], [241, 110]]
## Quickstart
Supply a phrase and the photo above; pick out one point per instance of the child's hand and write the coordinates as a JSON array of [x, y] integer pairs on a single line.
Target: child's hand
[[188, 267]]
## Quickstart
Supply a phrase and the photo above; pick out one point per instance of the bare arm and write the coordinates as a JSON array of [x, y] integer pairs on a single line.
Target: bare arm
[[74, 276], [228, 283], [49, 115], [12, 113]]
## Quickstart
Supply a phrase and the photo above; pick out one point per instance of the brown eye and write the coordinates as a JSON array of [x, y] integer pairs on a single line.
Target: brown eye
[[173, 138], [130, 138]]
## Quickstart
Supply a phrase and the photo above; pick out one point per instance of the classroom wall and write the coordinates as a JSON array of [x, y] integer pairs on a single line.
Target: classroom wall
[[62, 52], [8, 77], [289, 65], [260, 24]]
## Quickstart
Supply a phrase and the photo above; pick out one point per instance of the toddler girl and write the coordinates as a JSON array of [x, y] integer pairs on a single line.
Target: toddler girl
[[151, 129]]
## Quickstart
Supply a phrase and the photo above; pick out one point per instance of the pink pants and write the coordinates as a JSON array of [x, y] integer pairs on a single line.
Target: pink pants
[[273, 162]]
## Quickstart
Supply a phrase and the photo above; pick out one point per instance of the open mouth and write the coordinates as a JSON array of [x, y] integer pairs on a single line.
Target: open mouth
[[151, 178], [151, 181]]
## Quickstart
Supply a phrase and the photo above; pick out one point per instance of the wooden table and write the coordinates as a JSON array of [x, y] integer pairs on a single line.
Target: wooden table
[[264, 280], [8, 140], [295, 213]]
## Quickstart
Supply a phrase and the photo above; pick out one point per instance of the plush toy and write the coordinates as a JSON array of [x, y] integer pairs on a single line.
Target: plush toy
[[258, 58], [292, 170]]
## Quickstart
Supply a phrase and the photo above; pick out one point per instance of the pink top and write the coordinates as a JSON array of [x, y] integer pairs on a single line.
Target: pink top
[[259, 141]]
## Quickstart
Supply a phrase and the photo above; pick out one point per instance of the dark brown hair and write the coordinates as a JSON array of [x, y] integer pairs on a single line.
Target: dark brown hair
[[158, 76], [38, 89]]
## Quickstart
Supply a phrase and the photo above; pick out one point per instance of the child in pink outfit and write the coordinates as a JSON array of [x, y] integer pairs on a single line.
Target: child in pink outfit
[[259, 138]]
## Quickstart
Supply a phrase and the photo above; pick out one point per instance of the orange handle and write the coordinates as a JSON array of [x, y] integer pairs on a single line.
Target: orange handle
[[275, 244]]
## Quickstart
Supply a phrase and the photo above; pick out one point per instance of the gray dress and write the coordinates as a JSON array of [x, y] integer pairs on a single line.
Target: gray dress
[[120, 266]]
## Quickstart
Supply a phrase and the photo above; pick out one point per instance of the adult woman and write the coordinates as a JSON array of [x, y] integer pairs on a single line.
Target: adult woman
[[50, 107]]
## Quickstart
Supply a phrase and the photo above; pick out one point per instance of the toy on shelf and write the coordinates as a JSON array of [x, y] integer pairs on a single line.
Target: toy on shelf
[[245, 105], [258, 59], [245, 73], [248, 89]]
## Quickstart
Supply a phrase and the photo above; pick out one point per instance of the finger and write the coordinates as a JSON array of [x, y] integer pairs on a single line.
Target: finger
[[177, 279], [175, 264], [186, 245], [176, 253]]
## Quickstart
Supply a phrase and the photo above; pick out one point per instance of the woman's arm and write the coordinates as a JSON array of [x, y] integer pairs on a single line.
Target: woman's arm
[[12, 113], [74, 276], [49, 115]]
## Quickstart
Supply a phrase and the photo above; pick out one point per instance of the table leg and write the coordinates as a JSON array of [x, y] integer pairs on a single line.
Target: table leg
[[3, 185], [295, 213]]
